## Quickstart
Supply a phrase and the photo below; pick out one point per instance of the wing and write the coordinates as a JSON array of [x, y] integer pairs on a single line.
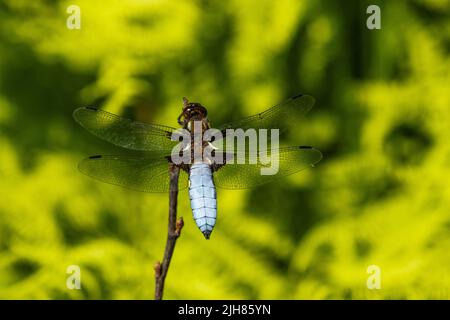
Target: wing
[[275, 117], [124, 132], [241, 176], [136, 173]]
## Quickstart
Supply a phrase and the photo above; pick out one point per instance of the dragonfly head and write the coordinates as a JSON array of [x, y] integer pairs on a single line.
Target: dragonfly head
[[192, 111]]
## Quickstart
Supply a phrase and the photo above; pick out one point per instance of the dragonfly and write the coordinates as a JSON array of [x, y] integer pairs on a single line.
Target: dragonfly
[[150, 149]]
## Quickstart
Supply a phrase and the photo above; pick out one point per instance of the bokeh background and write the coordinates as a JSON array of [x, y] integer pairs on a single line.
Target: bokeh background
[[379, 197]]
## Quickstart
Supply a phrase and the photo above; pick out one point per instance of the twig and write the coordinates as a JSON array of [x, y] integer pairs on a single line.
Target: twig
[[174, 231]]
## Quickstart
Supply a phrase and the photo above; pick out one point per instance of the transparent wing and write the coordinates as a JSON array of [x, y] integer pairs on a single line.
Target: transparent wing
[[124, 132], [241, 176], [136, 173], [276, 117]]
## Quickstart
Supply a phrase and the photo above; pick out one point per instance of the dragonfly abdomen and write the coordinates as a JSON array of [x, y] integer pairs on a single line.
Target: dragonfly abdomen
[[202, 194]]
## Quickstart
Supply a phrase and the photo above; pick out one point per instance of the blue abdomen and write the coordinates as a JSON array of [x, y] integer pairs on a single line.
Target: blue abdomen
[[202, 194]]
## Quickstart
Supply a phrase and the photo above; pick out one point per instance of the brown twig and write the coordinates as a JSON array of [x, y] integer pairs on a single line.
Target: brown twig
[[174, 231]]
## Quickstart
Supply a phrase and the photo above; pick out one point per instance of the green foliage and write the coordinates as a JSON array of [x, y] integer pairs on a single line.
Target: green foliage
[[382, 118]]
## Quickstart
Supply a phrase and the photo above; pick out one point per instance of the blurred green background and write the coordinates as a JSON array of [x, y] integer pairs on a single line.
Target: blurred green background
[[379, 197]]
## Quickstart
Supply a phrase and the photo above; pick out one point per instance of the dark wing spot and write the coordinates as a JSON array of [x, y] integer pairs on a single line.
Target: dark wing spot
[[95, 157], [305, 147], [92, 108]]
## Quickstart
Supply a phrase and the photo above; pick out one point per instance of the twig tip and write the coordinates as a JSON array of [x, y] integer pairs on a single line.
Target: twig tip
[[185, 102]]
